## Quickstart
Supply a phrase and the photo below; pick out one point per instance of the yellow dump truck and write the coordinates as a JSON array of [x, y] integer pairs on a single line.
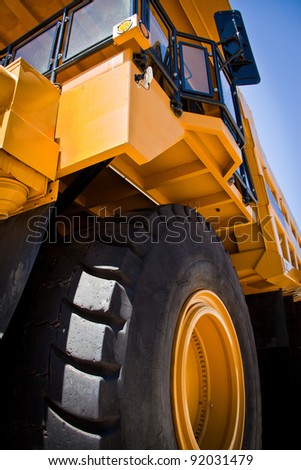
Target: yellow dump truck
[[150, 266]]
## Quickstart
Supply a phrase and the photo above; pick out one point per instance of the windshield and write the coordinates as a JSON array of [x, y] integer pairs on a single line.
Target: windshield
[[39, 50], [68, 35], [93, 22]]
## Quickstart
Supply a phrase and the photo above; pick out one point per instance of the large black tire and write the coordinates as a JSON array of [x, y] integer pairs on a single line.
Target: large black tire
[[92, 343]]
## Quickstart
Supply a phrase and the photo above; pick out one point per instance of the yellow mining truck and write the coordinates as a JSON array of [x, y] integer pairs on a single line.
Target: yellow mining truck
[[144, 240]]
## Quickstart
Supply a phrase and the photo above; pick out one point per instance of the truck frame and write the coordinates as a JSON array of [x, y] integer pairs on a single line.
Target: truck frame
[[150, 265]]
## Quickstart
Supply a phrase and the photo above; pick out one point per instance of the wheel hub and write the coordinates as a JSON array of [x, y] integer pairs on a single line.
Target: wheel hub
[[208, 393]]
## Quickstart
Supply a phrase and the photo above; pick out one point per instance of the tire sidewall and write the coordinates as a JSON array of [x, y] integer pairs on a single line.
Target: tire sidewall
[[171, 273]]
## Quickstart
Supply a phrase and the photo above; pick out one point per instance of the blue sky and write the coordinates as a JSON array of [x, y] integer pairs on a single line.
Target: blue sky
[[274, 29]]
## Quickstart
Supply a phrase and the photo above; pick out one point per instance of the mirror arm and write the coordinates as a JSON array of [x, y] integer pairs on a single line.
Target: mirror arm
[[225, 41], [237, 53]]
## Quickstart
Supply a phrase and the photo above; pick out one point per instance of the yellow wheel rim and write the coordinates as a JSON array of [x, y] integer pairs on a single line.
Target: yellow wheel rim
[[208, 393]]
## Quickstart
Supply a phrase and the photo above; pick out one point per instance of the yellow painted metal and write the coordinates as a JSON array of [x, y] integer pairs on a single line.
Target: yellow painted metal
[[92, 110], [277, 270], [22, 172], [36, 98], [218, 145], [132, 29], [28, 152], [13, 195], [27, 130], [49, 195], [276, 232], [201, 16], [208, 392], [39, 191], [8, 83], [187, 160], [25, 142]]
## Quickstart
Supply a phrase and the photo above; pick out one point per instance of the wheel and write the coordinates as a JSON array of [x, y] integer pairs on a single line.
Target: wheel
[[135, 336], [208, 389]]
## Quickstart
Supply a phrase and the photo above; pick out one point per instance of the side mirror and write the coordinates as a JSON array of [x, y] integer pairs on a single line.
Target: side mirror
[[236, 47]]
